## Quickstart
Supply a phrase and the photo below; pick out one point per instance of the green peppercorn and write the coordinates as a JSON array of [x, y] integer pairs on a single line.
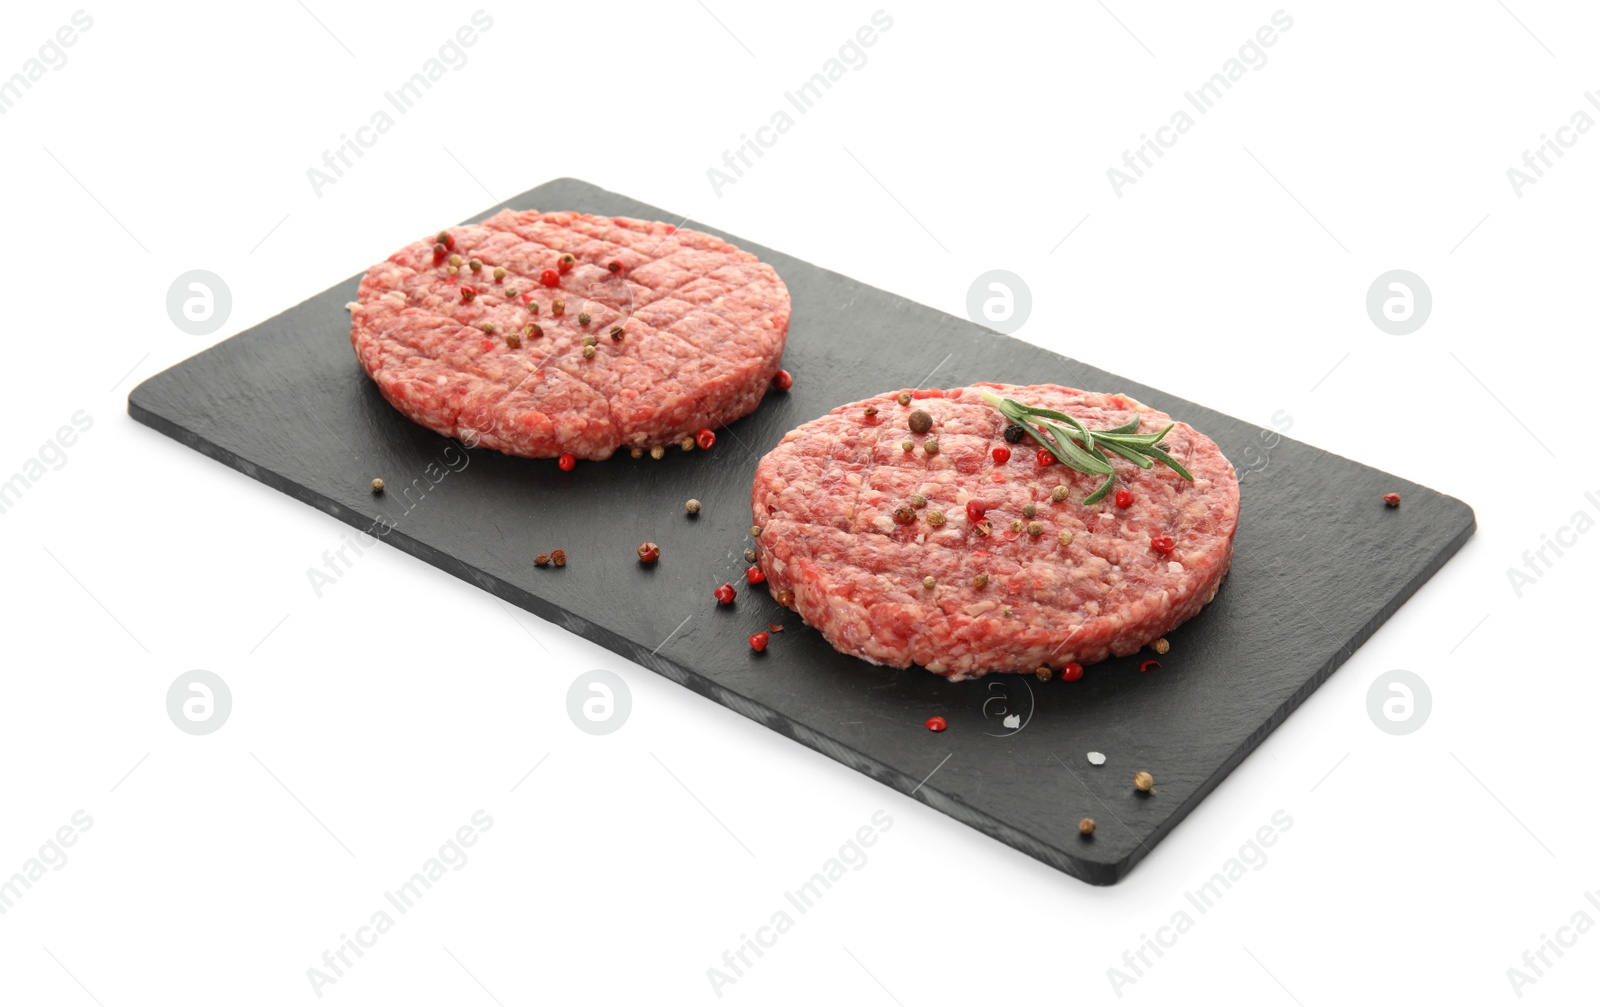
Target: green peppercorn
[[590, 341], [907, 446], [1058, 494], [588, 353], [583, 318], [488, 327], [454, 260], [904, 398], [533, 307], [511, 291], [513, 341], [475, 265], [936, 518], [658, 452], [918, 500], [1029, 510], [1016, 524], [981, 580], [558, 307], [929, 582], [931, 446], [1035, 529], [904, 515], [499, 273], [1065, 538]]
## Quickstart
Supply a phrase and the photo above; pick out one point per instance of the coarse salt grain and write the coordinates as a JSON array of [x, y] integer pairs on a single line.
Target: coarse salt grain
[[1174, 567], [1097, 758]]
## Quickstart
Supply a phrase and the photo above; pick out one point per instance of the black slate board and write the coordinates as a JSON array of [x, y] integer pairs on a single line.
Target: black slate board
[[1320, 563]]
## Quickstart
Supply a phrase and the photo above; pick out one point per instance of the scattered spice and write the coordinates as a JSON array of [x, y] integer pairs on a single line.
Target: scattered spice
[[589, 352], [904, 398], [686, 443], [982, 528], [1016, 525], [558, 557], [1391, 499], [1086, 827], [918, 500], [512, 292], [533, 305], [616, 333], [1002, 455], [535, 330], [438, 252], [929, 583], [446, 239], [975, 510], [583, 318], [705, 438], [1013, 433], [775, 627], [614, 266], [566, 262], [754, 576], [870, 412], [1059, 494], [499, 275], [784, 380], [920, 421], [549, 277], [749, 555], [755, 531], [907, 446], [1145, 666], [785, 597], [904, 514], [451, 271], [1096, 758], [1043, 673], [468, 293], [931, 446], [476, 265], [488, 327], [658, 452], [558, 307], [936, 518], [567, 462], [1143, 781], [649, 552], [981, 580], [513, 341], [758, 641], [935, 724], [1161, 646], [1124, 498], [1045, 457], [692, 506], [1065, 538], [543, 559], [636, 452], [1035, 529], [724, 594], [377, 485], [1072, 672], [1029, 510], [455, 260]]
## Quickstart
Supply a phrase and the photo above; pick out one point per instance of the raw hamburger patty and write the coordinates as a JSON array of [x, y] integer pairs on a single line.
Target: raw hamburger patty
[[825, 501], [702, 327]]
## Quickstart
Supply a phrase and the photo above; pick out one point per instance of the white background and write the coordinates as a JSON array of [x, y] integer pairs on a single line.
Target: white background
[[370, 723]]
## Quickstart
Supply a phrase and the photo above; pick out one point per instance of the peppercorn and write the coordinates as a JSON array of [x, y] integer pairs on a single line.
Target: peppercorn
[[686, 443], [754, 575], [749, 555], [567, 462], [724, 594], [982, 528], [1124, 498], [870, 412], [566, 262], [476, 265], [558, 307], [1072, 672], [511, 291], [692, 506], [1059, 494], [451, 270], [785, 597], [1391, 499], [649, 552], [1065, 538], [636, 452], [907, 446], [543, 559], [705, 438], [467, 294], [755, 531], [1161, 646], [658, 452], [500, 274], [1163, 544], [438, 253], [535, 330], [1086, 827], [936, 518], [488, 327], [931, 446], [904, 398], [1016, 524], [1143, 781], [1145, 666], [590, 341], [929, 582], [614, 266], [446, 239], [455, 260], [981, 580], [758, 641], [904, 515], [1029, 510], [588, 352], [1044, 457], [377, 485], [616, 333], [783, 380], [920, 421], [583, 318], [533, 306], [1001, 455], [918, 500], [1013, 433], [1043, 673], [513, 341], [1035, 528]]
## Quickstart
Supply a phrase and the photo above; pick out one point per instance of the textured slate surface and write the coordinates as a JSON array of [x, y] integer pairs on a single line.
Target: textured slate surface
[[1320, 562]]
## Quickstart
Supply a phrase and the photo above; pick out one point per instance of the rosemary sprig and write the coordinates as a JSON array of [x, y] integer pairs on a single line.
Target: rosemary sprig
[[1077, 447]]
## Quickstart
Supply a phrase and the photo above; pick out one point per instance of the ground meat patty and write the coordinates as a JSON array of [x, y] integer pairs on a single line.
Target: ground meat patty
[[686, 331], [826, 499]]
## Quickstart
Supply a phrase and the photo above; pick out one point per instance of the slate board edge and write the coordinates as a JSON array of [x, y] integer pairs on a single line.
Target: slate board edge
[[1092, 872]]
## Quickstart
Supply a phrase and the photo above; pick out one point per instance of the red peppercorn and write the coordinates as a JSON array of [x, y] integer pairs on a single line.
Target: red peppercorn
[[649, 552], [1149, 666], [439, 252], [754, 575], [549, 277], [705, 439], [758, 641], [1001, 455], [468, 292], [935, 724], [1072, 672], [1124, 498], [614, 266], [448, 239], [565, 263], [1163, 544], [784, 380], [1391, 499], [567, 462], [1045, 457], [724, 594], [975, 510]]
